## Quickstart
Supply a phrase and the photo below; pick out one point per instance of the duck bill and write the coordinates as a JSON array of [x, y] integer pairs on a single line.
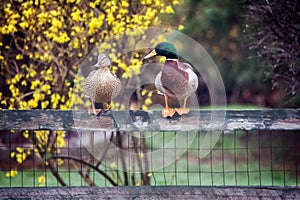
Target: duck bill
[[151, 54]]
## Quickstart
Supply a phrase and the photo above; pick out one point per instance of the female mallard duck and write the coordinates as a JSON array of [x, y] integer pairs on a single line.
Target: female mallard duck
[[175, 80], [101, 85]]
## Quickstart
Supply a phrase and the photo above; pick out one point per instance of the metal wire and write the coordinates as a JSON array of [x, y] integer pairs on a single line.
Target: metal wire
[[247, 158]]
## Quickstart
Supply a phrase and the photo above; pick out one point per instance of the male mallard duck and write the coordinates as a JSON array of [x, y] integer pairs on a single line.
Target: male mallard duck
[[101, 85], [175, 80]]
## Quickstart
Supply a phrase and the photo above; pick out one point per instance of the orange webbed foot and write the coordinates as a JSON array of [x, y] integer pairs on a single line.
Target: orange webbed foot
[[182, 111], [94, 111], [168, 112]]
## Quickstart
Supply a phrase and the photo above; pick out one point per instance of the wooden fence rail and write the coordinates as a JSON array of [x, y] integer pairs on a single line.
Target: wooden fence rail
[[202, 120], [198, 120], [152, 192]]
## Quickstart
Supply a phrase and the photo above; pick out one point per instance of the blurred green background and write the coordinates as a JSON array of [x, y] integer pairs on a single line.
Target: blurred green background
[[221, 28]]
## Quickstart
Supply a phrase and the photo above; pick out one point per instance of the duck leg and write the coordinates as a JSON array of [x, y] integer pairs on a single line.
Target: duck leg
[[94, 110], [167, 111], [183, 109], [108, 106]]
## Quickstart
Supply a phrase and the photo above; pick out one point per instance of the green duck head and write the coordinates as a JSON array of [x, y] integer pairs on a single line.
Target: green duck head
[[103, 61], [163, 49]]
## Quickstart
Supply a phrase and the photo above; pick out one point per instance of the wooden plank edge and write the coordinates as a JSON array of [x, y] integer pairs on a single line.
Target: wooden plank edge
[[152, 192], [197, 120]]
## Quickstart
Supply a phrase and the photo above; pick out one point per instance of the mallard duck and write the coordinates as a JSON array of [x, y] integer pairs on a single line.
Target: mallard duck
[[101, 85], [175, 80]]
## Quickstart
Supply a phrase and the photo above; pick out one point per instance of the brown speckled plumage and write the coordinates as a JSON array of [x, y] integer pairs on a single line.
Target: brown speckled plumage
[[102, 85]]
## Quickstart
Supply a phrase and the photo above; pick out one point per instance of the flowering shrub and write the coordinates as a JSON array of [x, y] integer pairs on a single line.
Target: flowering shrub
[[42, 44]]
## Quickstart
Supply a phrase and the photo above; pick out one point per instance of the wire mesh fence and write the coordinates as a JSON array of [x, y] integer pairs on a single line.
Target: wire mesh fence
[[89, 158]]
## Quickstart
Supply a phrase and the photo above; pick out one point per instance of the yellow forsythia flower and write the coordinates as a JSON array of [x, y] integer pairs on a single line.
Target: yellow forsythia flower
[[11, 173], [41, 180]]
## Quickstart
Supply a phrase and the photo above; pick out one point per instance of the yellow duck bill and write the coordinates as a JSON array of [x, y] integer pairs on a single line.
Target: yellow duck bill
[[151, 54]]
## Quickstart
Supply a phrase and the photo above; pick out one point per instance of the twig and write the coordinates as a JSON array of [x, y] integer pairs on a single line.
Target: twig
[[84, 176], [51, 167], [122, 157], [137, 153], [87, 164], [105, 149], [146, 180]]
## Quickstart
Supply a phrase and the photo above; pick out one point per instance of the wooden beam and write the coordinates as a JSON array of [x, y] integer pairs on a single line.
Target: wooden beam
[[152, 192], [196, 120]]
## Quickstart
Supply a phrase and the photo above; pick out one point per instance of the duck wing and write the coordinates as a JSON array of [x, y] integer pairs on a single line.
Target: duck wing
[[193, 78], [116, 85], [185, 66], [89, 88]]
